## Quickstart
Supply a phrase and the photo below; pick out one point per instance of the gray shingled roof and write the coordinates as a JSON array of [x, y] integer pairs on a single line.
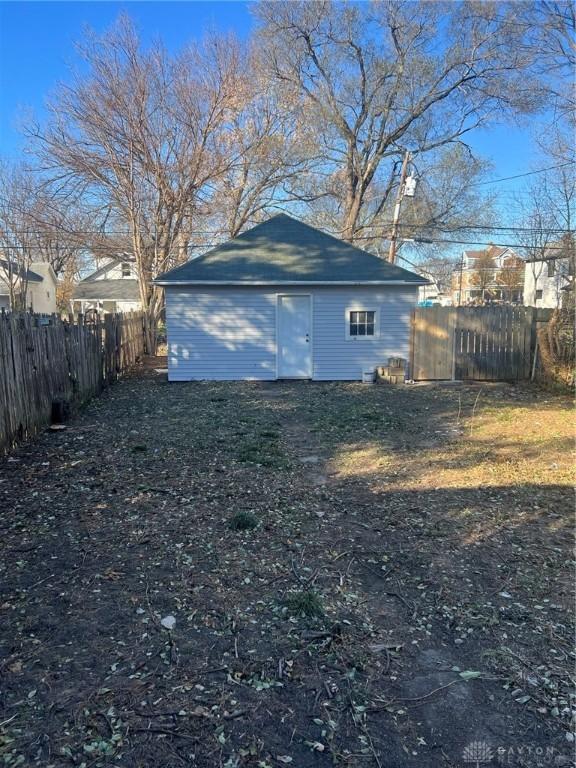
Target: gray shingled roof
[[107, 290], [284, 250], [7, 267]]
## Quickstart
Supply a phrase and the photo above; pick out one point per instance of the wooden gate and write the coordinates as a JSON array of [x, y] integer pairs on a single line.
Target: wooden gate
[[480, 343], [493, 343], [432, 354]]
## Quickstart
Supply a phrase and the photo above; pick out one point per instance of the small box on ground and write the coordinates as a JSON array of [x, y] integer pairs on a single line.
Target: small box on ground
[[394, 372]]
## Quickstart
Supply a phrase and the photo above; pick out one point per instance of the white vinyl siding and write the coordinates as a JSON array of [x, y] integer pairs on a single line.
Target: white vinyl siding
[[536, 278], [339, 358], [116, 271], [230, 333], [221, 334]]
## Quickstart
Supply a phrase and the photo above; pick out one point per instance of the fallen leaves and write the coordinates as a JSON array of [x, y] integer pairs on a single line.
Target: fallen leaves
[[366, 601]]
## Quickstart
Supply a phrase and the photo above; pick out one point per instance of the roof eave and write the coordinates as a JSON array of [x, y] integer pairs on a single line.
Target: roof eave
[[248, 284]]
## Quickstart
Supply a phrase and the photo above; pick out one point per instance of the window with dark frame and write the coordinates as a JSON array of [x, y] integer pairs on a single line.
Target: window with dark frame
[[362, 323], [551, 268], [126, 270], [538, 294]]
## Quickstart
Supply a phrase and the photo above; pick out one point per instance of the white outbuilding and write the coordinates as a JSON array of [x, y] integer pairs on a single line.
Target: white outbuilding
[[286, 301]]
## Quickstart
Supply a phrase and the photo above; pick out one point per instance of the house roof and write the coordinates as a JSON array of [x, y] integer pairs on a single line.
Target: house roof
[[112, 262], [17, 270], [284, 250], [558, 250], [107, 290], [493, 250]]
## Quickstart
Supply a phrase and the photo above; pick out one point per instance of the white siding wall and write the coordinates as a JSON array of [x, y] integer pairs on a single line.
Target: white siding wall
[[221, 333], [230, 333], [335, 356], [42, 297], [536, 279], [115, 272]]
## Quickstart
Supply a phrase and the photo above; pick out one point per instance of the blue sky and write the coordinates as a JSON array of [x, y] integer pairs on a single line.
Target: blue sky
[[37, 44], [37, 50]]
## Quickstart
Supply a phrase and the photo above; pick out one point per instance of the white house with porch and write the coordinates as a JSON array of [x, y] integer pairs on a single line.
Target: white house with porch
[[111, 288]]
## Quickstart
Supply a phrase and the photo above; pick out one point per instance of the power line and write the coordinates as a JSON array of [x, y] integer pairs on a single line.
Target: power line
[[378, 231], [522, 175], [487, 227], [416, 240], [427, 241], [379, 226]]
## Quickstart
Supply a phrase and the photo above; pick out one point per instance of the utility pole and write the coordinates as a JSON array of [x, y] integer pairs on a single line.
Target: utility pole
[[461, 276], [396, 216]]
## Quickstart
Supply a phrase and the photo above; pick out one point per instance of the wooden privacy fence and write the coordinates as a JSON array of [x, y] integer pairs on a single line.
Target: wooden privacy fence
[[47, 362], [494, 343]]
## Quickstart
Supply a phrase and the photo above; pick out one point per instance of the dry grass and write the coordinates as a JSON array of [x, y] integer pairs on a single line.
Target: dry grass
[[405, 535]]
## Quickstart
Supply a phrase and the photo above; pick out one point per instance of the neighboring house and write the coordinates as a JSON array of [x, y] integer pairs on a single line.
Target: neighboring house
[[111, 288], [429, 294], [433, 294], [546, 281], [495, 275], [38, 283], [286, 301]]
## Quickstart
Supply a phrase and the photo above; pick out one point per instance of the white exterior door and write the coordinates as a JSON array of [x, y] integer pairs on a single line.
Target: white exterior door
[[294, 342]]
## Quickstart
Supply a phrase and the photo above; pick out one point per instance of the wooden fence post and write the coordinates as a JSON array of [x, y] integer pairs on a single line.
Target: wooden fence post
[[64, 361]]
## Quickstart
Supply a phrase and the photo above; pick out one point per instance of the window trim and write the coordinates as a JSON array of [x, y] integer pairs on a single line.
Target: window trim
[[361, 308]]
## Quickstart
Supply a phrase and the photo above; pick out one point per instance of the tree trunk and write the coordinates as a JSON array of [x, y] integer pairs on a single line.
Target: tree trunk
[[150, 332], [351, 214]]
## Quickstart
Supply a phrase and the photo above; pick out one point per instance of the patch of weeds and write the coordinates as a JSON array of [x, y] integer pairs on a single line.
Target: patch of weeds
[[266, 454], [243, 521], [305, 603]]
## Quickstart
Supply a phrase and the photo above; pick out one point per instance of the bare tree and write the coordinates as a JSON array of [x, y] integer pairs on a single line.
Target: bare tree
[[268, 149], [484, 273], [551, 26], [547, 213], [376, 79], [16, 240], [448, 199], [440, 269], [37, 224], [141, 134], [510, 277]]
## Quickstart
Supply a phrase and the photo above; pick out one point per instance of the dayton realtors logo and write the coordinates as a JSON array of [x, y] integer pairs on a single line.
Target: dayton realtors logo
[[478, 753]]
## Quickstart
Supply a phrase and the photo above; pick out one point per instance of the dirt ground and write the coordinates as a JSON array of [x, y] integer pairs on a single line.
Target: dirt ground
[[404, 600]]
